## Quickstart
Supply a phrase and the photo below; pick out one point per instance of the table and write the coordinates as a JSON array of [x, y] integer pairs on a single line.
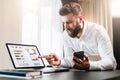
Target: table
[[77, 75]]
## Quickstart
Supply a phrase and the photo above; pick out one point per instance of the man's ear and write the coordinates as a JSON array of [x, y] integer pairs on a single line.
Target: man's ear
[[80, 17]]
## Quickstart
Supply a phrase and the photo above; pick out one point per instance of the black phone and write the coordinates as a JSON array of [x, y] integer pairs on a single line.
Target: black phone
[[79, 54]]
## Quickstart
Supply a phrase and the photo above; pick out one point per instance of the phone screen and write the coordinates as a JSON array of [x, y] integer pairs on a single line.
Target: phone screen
[[79, 54]]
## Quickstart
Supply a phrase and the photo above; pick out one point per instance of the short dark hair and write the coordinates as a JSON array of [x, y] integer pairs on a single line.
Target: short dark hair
[[71, 7]]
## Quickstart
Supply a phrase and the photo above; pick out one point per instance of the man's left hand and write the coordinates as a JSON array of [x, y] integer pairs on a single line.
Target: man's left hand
[[81, 64]]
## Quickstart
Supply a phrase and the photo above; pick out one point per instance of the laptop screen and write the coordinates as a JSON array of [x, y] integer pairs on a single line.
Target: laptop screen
[[22, 56]]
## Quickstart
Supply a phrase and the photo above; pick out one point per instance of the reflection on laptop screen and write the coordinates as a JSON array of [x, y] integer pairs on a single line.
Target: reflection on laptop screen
[[22, 56]]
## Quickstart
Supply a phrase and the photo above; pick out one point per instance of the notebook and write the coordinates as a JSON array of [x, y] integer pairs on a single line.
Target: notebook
[[22, 58]]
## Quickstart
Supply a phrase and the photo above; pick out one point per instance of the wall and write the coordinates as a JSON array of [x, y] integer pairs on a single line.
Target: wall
[[116, 37], [116, 30], [10, 28]]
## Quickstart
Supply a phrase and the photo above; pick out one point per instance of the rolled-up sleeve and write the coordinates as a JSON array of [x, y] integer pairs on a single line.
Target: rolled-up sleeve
[[106, 53]]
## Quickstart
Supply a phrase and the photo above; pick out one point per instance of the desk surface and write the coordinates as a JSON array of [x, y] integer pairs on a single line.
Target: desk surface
[[77, 75]]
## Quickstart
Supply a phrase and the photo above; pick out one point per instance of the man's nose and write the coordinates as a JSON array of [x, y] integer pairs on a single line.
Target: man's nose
[[66, 26]]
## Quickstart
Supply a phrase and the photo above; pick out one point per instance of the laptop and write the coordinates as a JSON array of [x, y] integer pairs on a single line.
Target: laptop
[[22, 57]]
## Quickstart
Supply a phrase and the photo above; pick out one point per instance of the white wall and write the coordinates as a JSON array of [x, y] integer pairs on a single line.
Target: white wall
[[10, 28]]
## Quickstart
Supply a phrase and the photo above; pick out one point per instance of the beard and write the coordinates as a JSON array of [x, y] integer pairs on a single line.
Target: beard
[[74, 32]]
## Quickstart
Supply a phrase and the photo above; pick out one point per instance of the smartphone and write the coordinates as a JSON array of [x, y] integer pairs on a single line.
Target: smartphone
[[79, 54]]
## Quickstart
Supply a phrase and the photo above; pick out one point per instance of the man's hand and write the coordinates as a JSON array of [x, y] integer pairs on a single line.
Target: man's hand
[[51, 58], [81, 64]]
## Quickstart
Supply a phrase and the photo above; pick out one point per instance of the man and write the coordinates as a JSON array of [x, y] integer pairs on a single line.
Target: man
[[80, 35]]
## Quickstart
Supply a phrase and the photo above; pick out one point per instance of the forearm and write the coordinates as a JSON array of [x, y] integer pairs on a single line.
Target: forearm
[[105, 64], [66, 62]]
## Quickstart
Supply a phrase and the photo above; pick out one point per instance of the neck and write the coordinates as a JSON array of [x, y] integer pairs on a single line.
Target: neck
[[81, 31]]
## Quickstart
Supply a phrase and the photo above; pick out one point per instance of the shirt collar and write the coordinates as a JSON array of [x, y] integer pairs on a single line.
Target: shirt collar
[[84, 30]]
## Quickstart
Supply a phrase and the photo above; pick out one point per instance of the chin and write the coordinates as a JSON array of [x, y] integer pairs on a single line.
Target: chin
[[72, 36]]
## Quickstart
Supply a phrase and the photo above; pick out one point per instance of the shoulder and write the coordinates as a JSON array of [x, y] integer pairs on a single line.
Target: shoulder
[[94, 27], [100, 32]]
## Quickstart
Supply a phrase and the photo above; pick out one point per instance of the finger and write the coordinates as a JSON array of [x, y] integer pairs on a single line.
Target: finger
[[77, 66], [50, 60], [86, 57], [35, 58], [78, 60], [43, 56], [52, 55], [74, 61]]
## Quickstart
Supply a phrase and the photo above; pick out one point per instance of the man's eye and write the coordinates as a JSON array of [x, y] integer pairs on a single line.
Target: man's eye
[[69, 22]]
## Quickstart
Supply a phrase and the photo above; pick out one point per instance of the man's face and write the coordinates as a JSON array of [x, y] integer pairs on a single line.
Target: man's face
[[71, 24]]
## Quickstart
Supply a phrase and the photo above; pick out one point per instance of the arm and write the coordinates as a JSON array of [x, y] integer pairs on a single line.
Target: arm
[[66, 61], [51, 58], [106, 52]]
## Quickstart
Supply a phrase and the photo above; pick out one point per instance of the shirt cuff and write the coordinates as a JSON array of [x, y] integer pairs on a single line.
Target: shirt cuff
[[66, 63], [62, 63], [93, 65]]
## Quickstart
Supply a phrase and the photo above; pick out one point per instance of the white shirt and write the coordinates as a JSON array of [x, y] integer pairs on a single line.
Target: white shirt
[[95, 42]]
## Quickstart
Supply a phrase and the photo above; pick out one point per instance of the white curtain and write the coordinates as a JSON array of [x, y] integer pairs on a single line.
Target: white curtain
[[98, 11], [42, 25], [30, 22], [10, 29], [49, 27]]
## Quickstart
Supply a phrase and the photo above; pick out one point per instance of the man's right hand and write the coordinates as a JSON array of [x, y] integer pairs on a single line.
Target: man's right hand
[[51, 58]]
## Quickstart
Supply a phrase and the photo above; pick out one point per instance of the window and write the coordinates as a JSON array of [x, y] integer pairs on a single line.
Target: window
[[115, 8], [41, 25]]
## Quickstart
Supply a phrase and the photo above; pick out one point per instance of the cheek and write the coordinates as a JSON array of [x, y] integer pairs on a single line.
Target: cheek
[[75, 24], [72, 26]]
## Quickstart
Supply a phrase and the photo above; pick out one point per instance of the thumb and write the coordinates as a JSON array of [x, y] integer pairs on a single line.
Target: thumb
[[86, 57]]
